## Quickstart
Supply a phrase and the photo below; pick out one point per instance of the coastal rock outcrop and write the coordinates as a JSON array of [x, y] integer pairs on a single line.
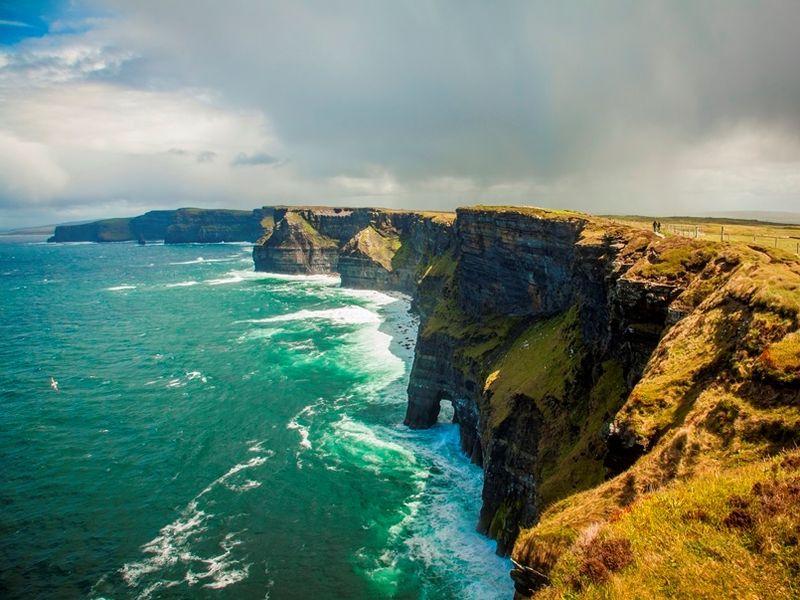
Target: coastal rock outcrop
[[369, 248], [296, 246], [532, 325]]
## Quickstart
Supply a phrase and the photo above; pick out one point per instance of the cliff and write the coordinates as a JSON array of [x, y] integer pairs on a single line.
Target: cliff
[[370, 248], [594, 369], [634, 400], [183, 225]]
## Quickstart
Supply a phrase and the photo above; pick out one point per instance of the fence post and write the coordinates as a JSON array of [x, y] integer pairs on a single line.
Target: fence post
[[722, 233]]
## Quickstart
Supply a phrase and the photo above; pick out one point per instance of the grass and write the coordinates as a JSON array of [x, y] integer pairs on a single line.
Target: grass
[[381, 247], [442, 217], [579, 459], [315, 237], [717, 398], [673, 259], [531, 211], [268, 222], [477, 339], [404, 257], [718, 395], [536, 367], [741, 232], [747, 309], [733, 534], [780, 361], [543, 369]]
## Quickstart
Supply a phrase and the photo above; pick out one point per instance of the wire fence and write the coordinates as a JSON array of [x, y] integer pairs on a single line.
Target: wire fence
[[792, 244]]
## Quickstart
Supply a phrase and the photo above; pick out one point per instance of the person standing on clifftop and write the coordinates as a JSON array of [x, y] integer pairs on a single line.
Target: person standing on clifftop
[[655, 225]]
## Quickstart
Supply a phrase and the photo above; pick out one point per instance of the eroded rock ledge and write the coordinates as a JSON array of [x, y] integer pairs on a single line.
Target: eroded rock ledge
[[589, 363]]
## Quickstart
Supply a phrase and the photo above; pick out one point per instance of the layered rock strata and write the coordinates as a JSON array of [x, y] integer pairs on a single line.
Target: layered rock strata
[[369, 248]]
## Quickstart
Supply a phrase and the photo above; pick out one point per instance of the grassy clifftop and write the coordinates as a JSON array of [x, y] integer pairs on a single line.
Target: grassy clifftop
[[708, 511]]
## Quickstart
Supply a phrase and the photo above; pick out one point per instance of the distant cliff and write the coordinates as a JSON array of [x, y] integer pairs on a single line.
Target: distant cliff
[[184, 225], [634, 401], [370, 248]]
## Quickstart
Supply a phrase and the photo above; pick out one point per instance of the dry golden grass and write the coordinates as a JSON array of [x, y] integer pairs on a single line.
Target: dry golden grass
[[765, 235], [734, 534], [379, 246], [531, 211], [314, 236]]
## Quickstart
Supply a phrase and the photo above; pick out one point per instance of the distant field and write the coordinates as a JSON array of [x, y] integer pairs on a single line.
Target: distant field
[[770, 235]]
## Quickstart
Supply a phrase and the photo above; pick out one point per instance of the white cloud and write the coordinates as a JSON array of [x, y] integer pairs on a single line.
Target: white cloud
[[378, 183], [28, 172]]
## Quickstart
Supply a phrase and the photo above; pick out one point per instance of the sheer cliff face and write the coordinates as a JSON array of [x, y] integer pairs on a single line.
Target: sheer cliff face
[[533, 327], [529, 329], [369, 248], [295, 246]]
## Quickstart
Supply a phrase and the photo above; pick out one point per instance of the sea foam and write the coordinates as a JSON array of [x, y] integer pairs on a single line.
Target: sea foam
[[347, 315], [182, 284], [119, 288], [173, 546]]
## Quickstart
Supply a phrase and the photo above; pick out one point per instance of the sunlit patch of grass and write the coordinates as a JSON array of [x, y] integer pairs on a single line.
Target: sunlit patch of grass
[[735, 534], [780, 361], [314, 236], [673, 259], [379, 246]]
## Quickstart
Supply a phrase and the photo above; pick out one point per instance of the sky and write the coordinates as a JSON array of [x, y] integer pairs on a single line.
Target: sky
[[114, 107]]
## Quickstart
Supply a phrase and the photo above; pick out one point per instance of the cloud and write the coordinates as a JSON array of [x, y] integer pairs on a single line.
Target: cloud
[[28, 172], [206, 156], [249, 160], [612, 107]]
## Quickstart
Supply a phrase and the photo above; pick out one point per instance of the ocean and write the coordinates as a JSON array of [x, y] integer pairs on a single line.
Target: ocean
[[220, 433]]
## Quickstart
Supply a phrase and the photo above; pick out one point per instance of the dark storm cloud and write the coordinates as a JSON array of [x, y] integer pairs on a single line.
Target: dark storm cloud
[[487, 90]]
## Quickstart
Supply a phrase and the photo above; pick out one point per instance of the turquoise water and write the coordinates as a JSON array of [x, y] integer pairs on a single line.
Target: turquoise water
[[219, 433]]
